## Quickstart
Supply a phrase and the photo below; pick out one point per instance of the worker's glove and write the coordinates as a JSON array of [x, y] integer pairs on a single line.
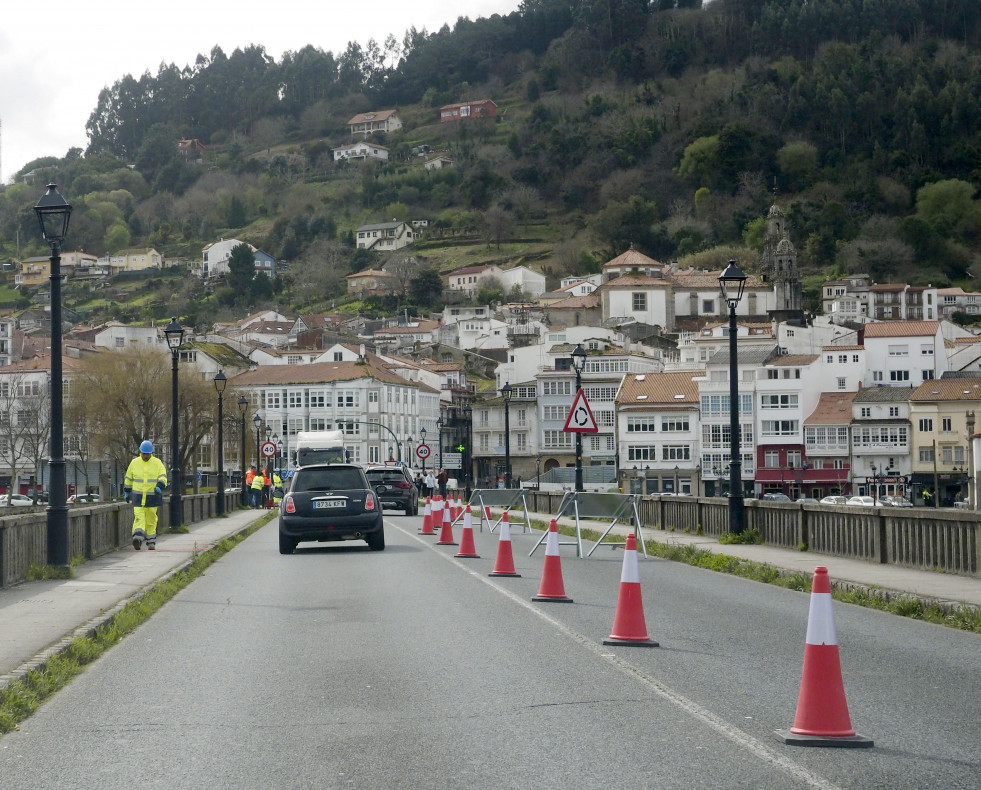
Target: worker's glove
[[126, 497], [159, 490]]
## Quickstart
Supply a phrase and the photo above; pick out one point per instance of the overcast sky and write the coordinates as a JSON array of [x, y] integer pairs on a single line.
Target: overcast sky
[[56, 57]]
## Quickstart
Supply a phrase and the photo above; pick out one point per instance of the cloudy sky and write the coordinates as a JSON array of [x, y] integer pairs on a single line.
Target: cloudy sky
[[54, 59]]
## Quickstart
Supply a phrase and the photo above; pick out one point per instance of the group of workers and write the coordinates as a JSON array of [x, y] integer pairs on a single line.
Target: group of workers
[[262, 487]]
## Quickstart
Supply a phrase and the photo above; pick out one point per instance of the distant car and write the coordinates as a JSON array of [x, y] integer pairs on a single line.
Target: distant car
[[84, 498], [862, 501], [395, 488], [895, 501], [328, 502], [776, 497], [16, 500], [834, 500], [806, 500]]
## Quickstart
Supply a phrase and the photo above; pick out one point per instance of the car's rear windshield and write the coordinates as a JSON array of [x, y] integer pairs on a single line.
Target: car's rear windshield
[[386, 477], [328, 479]]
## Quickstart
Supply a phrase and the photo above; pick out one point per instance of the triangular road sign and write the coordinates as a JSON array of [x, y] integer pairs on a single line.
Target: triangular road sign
[[580, 419]]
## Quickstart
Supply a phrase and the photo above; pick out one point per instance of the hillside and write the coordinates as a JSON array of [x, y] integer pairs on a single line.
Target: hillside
[[665, 125]]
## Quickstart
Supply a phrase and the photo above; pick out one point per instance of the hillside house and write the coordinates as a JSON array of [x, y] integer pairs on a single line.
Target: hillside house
[[385, 236], [366, 123], [482, 108], [361, 150]]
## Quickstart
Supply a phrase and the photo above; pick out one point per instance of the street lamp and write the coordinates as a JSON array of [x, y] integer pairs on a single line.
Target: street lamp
[[221, 381], [243, 405], [439, 427], [732, 282], [676, 489], [506, 394], [279, 455], [538, 473], [257, 422], [579, 363], [875, 482], [175, 338], [53, 213], [467, 450], [422, 440], [269, 459]]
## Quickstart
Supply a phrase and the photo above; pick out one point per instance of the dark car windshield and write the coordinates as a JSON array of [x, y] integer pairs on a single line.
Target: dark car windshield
[[384, 476], [328, 479]]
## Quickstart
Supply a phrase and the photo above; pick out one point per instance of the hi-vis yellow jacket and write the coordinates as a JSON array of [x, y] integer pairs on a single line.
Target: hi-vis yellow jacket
[[142, 479]]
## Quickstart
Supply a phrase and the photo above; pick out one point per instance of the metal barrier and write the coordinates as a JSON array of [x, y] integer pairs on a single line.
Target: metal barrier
[[618, 507], [506, 498]]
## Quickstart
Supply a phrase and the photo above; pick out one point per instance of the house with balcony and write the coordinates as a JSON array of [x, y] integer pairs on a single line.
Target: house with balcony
[[825, 468], [951, 301], [361, 151], [480, 108], [384, 121], [215, 257], [880, 432], [657, 430], [385, 236], [471, 279], [134, 260], [940, 413]]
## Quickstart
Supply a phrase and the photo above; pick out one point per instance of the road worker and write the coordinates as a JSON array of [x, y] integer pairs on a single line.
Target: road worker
[[143, 485]]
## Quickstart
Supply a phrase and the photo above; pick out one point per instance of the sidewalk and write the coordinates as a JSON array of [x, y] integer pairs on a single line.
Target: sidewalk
[[39, 619], [929, 585]]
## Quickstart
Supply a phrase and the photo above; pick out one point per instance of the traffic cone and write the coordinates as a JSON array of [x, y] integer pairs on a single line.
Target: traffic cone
[[432, 511], [552, 588], [822, 712], [504, 566], [446, 533], [629, 627], [467, 548]]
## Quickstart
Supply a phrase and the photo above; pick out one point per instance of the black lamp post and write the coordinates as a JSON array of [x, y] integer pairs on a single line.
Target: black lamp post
[[279, 454], [732, 283], [676, 470], [243, 405], [221, 381], [257, 422], [175, 338], [439, 428], [53, 212], [506, 394], [269, 460], [579, 363], [875, 483], [468, 448], [422, 440], [538, 473]]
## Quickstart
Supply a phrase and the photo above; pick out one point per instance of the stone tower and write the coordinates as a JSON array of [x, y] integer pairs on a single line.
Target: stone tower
[[778, 266]]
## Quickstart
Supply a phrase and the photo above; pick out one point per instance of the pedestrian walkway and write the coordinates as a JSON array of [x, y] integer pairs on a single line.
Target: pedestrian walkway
[[39, 619], [929, 585]]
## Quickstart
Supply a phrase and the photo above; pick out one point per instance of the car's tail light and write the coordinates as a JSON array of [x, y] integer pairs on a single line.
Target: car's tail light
[[290, 507], [369, 502], [403, 485]]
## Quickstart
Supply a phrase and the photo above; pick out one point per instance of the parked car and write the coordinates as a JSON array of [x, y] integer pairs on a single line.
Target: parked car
[[394, 487], [328, 502], [862, 501], [16, 500], [84, 498], [806, 500], [777, 497], [895, 501], [834, 499]]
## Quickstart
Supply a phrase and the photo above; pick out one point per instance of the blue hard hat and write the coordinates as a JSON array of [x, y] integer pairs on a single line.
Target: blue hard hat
[[146, 446]]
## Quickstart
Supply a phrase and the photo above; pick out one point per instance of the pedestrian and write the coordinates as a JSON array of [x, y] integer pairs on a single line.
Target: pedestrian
[[145, 480], [420, 483], [277, 491], [249, 477], [256, 486], [927, 498], [442, 479], [430, 483]]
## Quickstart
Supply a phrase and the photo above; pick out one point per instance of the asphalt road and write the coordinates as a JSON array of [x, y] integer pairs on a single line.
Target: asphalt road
[[408, 668]]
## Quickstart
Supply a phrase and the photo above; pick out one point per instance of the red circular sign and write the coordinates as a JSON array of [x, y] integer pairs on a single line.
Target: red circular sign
[[423, 451], [268, 449]]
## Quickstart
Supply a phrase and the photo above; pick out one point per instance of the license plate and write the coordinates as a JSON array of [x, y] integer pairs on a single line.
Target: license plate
[[325, 504]]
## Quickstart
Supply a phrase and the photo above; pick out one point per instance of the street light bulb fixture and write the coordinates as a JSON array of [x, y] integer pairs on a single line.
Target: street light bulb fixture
[[221, 381], [506, 391], [579, 358], [257, 421], [732, 282], [53, 213], [174, 334], [422, 433], [243, 404]]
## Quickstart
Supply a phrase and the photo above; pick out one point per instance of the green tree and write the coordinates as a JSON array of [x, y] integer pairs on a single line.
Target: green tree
[[426, 288], [241, 270]]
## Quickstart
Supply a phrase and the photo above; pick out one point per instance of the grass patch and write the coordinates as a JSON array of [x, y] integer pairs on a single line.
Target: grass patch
[[965, 618], [22, 697]]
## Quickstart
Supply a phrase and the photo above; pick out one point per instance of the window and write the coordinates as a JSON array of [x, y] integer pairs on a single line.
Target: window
[[842, 359], [317, 399], [557, 439], [557, 413], [876, 375], [675, 424], [787, 401], [898, 351], [865, 411], [899, 375], [639, 453], [680, 452], [779, 427], [295, 399], [338, 356], [842, 384], [641, 424], [638, 301], [945, 424], [556, 388], [708, 306], [854, 357], [927, 375], [596, 394], [926, 351], [926, 425], [771, 459], [373, 396], [893, 411]]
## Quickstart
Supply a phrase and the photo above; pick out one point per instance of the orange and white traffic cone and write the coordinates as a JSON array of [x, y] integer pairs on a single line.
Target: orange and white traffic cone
[[446, 533], [552, 588], [504, 565], [435, 512], [629, 626], [822, 712], [467, 547]]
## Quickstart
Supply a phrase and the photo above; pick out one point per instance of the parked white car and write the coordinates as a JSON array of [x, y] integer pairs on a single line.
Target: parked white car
[[17, 500], [834, 499], [862, 501]]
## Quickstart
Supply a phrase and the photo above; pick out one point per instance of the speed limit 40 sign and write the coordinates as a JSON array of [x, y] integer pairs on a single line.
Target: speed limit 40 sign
[[268, 449], [423, 451]]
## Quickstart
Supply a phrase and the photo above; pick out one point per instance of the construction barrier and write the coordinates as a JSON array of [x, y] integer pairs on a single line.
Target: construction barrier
[[507, 498], [616, 507]]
